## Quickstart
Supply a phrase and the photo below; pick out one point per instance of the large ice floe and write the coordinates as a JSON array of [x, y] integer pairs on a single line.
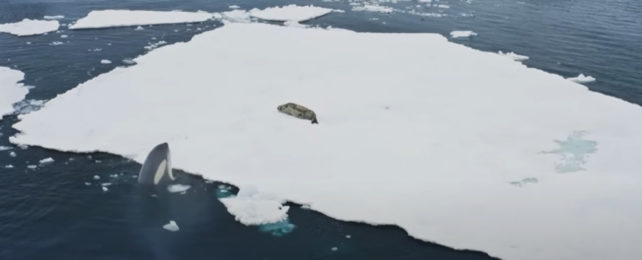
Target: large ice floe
[[292, 13], [10, 90], [414, 131], [28, 27], [120, 18]]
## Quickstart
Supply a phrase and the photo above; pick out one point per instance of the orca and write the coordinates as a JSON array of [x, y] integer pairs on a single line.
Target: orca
[[157, 168]]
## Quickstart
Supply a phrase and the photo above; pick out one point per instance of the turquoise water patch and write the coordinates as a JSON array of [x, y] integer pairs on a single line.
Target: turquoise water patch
[[573, 151], [278, 229], [224, 191]]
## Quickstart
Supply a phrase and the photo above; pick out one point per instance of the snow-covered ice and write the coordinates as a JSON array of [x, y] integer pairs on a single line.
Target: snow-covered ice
[[171, 226], [462, 34], [373, 8], [120, 18], [290, 13], [11, 90], [431, 147], [513, 56], [238, 16], [174, 188], [47, 160], [28, 27], [582, 79], [105, 61], [251, 207], [53, 17]]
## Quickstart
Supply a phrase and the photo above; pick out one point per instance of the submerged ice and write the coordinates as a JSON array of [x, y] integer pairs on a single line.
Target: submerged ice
[[430, 147]]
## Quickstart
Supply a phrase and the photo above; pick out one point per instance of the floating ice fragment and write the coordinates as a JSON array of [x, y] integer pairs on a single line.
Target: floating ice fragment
[[53, 17], [28, 27], [334, 248], [348, 236], [32, 166], [12, 154], [291, 12], [462, 34], [105, 61], [513, 56], [120, 18], [174, 188], [46, 160], [139, 28], [56, 43], [87, 183], [155, 45], [234, 7], [96, 177], [373, 8], [105, 189], [5, 148], [254, 208], [105, 184], [8, 166], [582, 79], [64, 36], [128, 61], [171, 226]]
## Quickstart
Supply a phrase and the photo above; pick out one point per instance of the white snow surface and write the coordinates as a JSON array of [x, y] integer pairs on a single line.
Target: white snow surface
[[513, 56], [462, 34], [28, 27], [120, 18], [582, 79], [291, 12], [431, 147], [11, 91]]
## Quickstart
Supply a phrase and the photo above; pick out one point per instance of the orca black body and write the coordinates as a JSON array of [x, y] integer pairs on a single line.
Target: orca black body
[[157, 168]]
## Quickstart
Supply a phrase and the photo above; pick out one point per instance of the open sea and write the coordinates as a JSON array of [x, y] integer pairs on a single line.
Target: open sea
[[61, 211]]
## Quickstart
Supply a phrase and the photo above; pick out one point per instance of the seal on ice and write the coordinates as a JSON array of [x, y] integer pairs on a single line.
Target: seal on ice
[[298, 111]]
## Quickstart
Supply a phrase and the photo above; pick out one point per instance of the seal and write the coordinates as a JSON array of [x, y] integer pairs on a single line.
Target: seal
[[298, 111]]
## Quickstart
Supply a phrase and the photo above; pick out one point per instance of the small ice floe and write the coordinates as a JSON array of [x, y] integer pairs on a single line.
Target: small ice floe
[[348, 236], [27, 106], [105, 184], [175, 188], [64, 36], [513, 56], [334, 248], [236, 16], [234, 7], [12, 154], [105, 189], [53, 17], [32, 166], [139, 28], [56, 43], [113, 175], [28, 27], [373, 8], [8, 166], [47, 160], [462, 34], [96, 177], [121, 18], [12, 91], [582, 79], [171, 226], [154, 45], [4, 148], [292, 13], [87, 183], [251, 207], [524, 182], [443, 6], [128, 61], [105, 61]]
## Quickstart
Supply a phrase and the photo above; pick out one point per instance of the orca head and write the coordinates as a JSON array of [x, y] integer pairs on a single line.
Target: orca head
[[157, 168]]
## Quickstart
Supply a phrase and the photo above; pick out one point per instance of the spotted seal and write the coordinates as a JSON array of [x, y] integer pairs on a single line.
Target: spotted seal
[[298, 111]]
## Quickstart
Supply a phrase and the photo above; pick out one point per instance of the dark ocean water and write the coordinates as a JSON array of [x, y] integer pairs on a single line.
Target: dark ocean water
[[60, 211]]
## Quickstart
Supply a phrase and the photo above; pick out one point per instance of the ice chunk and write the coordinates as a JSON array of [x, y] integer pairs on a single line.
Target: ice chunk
[[171, 226], [28, 27], [290, 13], [12, 154], [8, 166], [120, 18], [105, 61], [174, 188], [373, 8], [32, 166], [87, 183], [11, 90], [254, 208], [582, 79], [47, 160], [64, 36], [139, 28], [5, 148], [462, 34], [462, 124], [105, 189], [56, 43], [234, 7], [53, 17], [96, 177], [513, 56], [155, 45]]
